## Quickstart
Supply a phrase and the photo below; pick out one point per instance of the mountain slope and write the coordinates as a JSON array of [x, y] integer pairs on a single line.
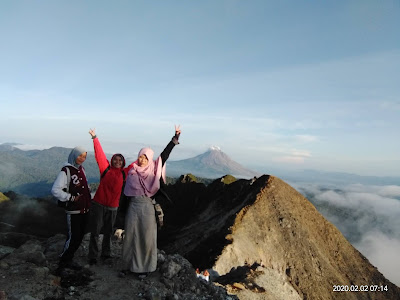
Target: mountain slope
[[33, 172], [288, 249], [211, 164]]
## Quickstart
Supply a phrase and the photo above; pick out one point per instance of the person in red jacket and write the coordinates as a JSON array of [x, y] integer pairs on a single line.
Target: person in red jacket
[[106, 200]]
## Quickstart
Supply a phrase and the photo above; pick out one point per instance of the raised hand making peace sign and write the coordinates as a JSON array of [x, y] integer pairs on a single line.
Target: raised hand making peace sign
[[177, 131]]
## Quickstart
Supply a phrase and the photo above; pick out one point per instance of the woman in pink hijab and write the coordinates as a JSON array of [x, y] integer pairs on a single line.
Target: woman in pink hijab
[[139, 252]]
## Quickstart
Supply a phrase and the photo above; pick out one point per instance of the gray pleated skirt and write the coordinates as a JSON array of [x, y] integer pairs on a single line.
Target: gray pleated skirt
[[139, 252]]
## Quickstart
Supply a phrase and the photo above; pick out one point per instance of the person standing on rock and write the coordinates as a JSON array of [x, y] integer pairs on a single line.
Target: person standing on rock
[[72, 191], [139, 251], [106, 200]]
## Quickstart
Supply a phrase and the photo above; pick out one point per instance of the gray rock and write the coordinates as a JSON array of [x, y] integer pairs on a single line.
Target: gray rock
[[4, 265], [27, 297], [161, 257], [170, 269], [31, 251], [41, 272], [5, 250], [153, 294], [55, 244], [31, 246], [14, 239], [38, 258]]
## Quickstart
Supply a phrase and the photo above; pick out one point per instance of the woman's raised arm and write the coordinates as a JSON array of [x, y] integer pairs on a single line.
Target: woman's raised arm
[[174, 141], [99, 154]]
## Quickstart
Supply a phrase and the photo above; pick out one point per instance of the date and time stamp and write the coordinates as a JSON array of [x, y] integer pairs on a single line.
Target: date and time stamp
[[360, 288]]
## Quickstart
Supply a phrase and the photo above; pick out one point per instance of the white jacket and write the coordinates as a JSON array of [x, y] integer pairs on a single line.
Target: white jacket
[[60, 186]]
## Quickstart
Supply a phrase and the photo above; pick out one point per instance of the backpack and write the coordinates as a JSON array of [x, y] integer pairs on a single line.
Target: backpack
[[108, 168], [64, 204], [161, 194]]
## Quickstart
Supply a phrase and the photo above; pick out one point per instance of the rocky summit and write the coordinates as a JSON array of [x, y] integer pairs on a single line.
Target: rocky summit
[[252, 239], [266, 241]]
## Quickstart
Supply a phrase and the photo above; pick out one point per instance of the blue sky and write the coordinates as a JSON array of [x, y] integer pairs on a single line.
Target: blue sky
[[275, 84]]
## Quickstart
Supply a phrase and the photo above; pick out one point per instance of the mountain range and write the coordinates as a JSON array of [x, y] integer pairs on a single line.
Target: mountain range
[[32, 172]]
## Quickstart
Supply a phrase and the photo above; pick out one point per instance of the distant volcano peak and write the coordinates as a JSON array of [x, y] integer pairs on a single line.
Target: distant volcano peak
[[213, 163], [215, 148]]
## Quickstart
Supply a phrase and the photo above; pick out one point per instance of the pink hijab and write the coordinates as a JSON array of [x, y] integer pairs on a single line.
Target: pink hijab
[[145, 180]]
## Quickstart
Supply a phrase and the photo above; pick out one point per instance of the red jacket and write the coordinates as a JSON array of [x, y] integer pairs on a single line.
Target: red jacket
[[109, 190]]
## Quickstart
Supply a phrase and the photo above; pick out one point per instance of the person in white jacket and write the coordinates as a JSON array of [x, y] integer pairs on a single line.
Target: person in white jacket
[[72, 191]]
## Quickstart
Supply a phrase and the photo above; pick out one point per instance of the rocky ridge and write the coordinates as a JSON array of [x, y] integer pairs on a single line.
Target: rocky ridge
[[259, 239], [266, 227]]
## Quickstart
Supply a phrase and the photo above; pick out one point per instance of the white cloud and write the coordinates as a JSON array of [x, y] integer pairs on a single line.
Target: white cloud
[[294, 156], [383, 252], [375, 199], [389, 191], [373, 224], [32, 147], [290, 159], [384, 191], [301, 153]]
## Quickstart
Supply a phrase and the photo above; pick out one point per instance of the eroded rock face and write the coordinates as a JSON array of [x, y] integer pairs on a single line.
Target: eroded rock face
[[198, 224], [270, 224]]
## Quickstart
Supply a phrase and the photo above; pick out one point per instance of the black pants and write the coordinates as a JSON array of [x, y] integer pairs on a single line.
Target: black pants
[[76, 226], [101, 217]]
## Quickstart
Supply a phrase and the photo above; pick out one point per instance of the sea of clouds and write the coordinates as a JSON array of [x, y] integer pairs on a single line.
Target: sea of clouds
[[367, 215]]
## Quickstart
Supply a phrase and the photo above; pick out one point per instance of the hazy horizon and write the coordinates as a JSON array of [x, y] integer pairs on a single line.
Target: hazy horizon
[[276, 170], [291, 85]]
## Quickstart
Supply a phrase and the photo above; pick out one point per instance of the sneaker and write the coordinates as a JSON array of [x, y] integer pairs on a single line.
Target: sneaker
[[92, 261], [142, 275]]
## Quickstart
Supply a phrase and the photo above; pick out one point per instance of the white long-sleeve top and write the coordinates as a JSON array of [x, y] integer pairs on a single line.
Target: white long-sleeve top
[[59, 184]]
